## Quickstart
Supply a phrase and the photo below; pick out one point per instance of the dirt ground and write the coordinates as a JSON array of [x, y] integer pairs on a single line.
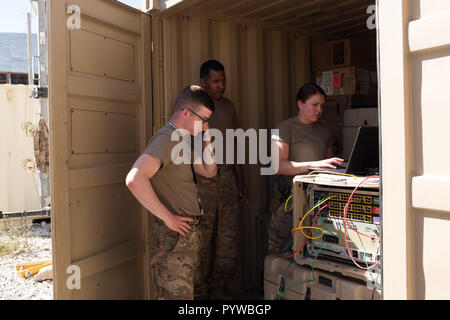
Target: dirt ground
[[20, 243]]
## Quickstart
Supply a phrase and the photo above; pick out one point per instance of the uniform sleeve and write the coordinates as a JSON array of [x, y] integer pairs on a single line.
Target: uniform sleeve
[[160, 147], [284, 135]]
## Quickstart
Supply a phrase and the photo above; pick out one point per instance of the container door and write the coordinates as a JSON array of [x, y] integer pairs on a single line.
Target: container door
[[100, 120], [415, 76]]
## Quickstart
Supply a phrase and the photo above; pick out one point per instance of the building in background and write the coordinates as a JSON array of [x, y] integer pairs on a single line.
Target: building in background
[[14, 60]]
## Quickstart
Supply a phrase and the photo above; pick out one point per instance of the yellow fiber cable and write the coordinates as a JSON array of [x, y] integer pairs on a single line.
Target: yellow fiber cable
[[305, 215], [308, 227], [285, 204], [337, 173]]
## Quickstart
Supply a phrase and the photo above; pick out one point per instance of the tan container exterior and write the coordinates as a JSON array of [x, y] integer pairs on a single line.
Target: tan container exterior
[[264, 67], [99, 107], [414, 96], [19, 178]]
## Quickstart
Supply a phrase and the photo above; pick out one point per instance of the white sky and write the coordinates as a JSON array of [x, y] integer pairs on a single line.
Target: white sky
[[13, 15]]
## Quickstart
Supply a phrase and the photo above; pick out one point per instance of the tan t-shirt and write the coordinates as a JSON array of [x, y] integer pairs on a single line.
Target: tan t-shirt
[[173, 183], [307, 142], [224, 117]]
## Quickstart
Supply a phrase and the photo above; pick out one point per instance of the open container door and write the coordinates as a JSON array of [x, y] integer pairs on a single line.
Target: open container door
[[414, 78], [100, 121]]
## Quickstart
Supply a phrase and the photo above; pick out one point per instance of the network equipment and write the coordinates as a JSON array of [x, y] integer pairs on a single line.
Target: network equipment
[[363, 228]]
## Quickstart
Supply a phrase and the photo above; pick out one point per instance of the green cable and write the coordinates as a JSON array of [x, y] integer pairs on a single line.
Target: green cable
[[283, 277], [280, 294], [360, 243]]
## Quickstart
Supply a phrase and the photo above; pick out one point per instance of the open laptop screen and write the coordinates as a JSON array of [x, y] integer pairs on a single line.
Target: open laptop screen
[[365, 151]]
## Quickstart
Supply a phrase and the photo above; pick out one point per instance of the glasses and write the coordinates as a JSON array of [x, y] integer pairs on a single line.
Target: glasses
[[200, 117]]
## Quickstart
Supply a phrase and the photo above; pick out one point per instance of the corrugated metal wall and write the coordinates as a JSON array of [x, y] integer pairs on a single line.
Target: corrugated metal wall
[[19, 188], [264, 70]]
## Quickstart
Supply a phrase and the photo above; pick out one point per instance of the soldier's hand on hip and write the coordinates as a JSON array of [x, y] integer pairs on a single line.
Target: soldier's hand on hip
[[179, 224]]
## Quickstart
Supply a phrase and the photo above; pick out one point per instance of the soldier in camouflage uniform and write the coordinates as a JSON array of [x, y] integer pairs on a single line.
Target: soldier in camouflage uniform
[[173, 260], [219, 196], [219, 233], [172, 195]]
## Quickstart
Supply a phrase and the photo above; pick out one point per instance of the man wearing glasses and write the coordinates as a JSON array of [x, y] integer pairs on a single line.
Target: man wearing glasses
[[219, 196], [171, 196]]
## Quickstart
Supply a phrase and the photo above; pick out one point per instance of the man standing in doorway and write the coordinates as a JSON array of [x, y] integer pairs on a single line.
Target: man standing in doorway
[[171, 195], [219, 196]]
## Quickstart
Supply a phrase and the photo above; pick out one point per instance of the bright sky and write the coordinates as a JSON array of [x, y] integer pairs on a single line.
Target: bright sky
[[13, 15]]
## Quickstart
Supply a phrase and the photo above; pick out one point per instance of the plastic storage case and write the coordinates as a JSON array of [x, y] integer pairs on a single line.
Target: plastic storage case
[[299, 283]]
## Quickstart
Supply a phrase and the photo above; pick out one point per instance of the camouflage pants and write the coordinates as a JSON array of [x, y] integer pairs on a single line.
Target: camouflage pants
[[173, 261], [280, 230], [219, 226]]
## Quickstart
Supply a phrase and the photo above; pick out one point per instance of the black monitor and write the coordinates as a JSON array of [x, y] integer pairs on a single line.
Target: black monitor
[[365, 153]]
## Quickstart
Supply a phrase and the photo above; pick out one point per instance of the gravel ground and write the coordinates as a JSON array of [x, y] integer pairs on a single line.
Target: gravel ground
[[19, 247]]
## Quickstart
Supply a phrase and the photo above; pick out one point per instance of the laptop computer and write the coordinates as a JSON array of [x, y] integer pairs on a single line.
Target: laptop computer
[[364, 157]]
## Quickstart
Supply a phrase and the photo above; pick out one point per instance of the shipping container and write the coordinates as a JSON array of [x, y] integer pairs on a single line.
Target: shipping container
[[113, 80], [19, 176]]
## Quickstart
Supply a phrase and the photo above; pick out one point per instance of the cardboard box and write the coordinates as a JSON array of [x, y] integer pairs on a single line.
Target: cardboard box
[[359, 52], [347, 81]]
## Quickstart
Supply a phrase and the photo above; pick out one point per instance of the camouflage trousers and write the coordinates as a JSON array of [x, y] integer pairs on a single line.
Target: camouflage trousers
[[173, 260], [219, 226], [280, 230]]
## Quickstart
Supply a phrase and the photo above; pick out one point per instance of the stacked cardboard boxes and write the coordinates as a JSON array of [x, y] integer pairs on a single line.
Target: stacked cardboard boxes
[[359, 52], [346, 70], [348, 81]]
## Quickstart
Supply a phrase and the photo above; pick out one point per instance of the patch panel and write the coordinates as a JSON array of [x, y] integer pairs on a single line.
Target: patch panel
[[363, 215], [358, 210], [352, 207]]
